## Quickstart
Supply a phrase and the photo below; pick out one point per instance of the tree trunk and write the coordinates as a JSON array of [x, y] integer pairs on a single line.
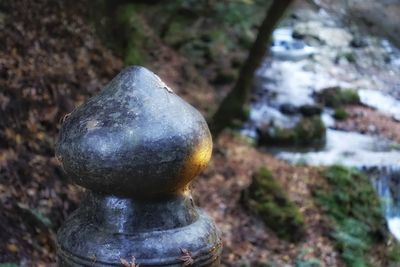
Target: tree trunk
[[233, 106]]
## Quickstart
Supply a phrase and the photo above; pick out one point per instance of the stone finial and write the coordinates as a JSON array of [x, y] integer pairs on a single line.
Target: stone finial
[[136, 146]]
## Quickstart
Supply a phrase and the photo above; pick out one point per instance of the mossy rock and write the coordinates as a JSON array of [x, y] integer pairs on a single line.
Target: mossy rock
[[310, 110], [355, 214], [335, 97], [308, 131], [267, 199], [340, 114], [278, 136]]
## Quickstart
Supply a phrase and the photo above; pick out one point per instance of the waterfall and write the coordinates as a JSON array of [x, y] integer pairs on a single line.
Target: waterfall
[[386, 181]]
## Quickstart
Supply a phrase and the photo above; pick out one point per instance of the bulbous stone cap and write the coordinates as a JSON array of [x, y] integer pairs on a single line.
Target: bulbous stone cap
[[135, 138]]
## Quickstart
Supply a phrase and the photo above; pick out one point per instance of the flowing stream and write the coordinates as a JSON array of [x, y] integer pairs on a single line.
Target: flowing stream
[[299, 68]]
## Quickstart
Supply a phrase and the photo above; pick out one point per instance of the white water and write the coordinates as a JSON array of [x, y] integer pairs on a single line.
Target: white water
[[292, 77], [394, 226], [387, 184], [381, 101], [364, 152], [349, 149]]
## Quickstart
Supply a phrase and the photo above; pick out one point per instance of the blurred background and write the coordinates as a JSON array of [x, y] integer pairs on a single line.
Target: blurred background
[[302, 97]]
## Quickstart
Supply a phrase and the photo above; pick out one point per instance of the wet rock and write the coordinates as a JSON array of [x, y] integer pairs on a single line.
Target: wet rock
[[350, 149], [288, 109], [335, 97], [285, 47], [387, 183], [308, 131], [273, 135], [358, 42], [310, 110], [266, 115]]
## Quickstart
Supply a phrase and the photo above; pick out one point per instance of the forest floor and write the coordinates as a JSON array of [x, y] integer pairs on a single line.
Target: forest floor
[[51, 61]]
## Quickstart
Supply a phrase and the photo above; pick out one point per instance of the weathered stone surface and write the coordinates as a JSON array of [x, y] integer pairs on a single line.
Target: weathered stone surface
[[134, 138], [136, 146]]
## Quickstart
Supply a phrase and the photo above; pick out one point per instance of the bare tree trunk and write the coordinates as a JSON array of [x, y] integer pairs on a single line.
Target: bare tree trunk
[[233, 106]]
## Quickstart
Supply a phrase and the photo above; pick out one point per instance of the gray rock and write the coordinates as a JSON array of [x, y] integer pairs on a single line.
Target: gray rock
[[288, 109], [310, 110]]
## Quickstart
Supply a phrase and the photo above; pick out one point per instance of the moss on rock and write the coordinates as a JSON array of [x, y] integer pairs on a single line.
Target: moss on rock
[[277, 136], [310, 110], [340, 114], [268, 200], [336, 97], [308, 131], [354, 209]]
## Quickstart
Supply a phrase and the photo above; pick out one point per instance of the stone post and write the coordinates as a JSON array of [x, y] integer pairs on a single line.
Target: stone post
[[135, 147]]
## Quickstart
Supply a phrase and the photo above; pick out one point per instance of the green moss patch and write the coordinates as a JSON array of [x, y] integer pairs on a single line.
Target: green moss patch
[[336, 97], [308, 131], [267, 199], [354, 210], [340, 114]]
